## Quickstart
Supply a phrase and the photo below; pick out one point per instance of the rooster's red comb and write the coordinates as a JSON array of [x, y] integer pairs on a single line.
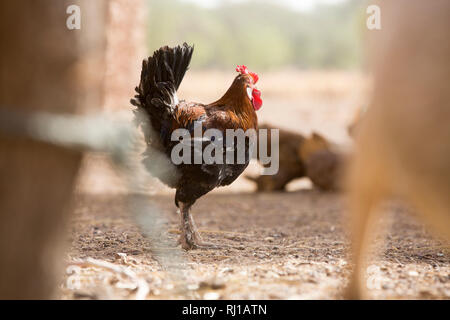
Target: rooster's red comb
[[244, 70]]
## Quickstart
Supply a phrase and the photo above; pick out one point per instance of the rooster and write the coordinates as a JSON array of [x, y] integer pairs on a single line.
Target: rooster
[[161, 76]]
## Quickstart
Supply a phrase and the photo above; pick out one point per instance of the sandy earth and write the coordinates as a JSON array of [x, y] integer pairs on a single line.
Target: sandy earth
[[282, 246], [279, 246]]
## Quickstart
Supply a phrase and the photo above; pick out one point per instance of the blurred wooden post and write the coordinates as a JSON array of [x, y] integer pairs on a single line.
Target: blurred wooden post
[[43, 66], [126, 48]]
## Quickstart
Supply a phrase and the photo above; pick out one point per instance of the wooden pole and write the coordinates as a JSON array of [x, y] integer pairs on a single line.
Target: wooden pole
[[44, 66]]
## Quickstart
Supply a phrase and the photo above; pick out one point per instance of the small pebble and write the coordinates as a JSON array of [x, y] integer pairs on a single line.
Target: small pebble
[[192, 286], [211, 296]]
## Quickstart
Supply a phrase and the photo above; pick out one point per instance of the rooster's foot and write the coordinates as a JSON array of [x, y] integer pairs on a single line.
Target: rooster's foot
[[190, 242], [190, 237], [206, 245]]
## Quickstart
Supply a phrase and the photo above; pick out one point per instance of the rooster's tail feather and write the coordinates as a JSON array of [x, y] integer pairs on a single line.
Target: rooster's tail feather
[[161, 76]]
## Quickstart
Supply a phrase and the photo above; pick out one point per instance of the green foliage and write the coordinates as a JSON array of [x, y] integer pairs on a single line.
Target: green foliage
[[261, 34]]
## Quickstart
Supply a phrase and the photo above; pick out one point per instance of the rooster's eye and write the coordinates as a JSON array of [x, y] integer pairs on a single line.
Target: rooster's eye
[[249, 93]]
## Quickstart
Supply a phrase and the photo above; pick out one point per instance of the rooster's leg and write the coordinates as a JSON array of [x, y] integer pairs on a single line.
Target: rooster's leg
[[190, 238]]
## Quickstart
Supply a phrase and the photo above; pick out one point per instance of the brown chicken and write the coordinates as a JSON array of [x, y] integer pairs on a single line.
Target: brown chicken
[[156, 95], [300, 156], [403, 141], [290, 164], [323, 164]]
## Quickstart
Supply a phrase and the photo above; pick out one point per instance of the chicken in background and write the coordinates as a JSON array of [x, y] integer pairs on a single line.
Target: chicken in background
[[313, 157], [290, 165], [403, 141], [323, 163], [161, 76]]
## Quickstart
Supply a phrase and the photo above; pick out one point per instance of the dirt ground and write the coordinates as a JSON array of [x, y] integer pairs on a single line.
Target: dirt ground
[[288, 245]]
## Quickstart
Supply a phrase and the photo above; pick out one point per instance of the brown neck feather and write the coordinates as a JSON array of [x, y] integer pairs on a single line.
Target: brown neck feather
[[236, 102]]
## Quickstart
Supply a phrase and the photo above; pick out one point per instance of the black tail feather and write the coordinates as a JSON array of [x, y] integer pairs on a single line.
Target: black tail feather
[[155, 100], [161, 77]]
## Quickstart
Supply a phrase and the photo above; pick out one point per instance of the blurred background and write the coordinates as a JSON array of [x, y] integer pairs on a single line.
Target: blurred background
[[269, 35], [309, 55]]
